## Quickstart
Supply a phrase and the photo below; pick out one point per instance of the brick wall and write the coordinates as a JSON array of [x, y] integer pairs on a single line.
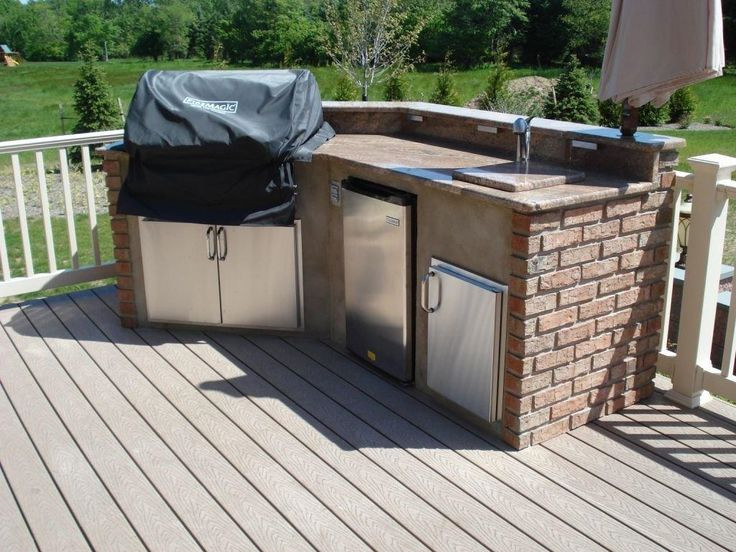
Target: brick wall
[[114, 165], [585, 298]]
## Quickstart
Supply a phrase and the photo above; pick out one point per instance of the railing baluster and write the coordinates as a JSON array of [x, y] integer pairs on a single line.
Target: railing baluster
[[666, 312], [729, 349], [20, 199], [44, 194], [91, 208], [69, 208], [4, 263]]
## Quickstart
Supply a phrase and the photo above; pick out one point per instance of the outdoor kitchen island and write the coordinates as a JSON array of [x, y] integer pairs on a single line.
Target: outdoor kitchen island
[[583, 262]]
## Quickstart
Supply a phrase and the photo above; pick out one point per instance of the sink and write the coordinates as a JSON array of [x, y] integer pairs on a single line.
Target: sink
[[514, 177]]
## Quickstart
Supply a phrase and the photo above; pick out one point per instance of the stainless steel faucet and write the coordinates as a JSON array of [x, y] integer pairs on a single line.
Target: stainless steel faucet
[[523, 131]]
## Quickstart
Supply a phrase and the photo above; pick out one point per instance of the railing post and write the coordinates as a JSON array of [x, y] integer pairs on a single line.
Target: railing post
[[702, 276]]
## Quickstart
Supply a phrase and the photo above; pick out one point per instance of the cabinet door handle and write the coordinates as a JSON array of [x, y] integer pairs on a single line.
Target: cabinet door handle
[[424, 299], [210, 238], [222, 242]]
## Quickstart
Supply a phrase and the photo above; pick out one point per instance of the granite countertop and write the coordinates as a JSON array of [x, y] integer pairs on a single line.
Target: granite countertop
[[643, 141], [430, 162]]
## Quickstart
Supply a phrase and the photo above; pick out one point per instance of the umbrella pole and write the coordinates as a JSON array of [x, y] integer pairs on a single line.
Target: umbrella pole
[[629, 119]]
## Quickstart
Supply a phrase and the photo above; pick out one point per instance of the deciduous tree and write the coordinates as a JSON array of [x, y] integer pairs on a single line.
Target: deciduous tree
[[370, 39]]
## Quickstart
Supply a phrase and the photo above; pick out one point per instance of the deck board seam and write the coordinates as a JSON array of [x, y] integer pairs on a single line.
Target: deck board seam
[[486, 440], [115, 436], [461, 489], [166, 444], [636, 499], [20, 510], [38, 453], [645, 474]]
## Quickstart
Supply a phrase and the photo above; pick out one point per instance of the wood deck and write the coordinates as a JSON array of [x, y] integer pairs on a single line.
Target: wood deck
[[113, 439]]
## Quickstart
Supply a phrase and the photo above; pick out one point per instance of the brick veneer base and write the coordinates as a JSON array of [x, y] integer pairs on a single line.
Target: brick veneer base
[[584, 313], [121, 240]]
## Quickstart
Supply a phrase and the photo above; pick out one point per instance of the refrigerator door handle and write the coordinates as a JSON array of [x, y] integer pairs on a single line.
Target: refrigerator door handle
[[424, 299]]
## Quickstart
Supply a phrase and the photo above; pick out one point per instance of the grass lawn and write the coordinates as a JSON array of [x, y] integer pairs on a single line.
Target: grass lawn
[[32, 92], [61, 241], [700, 142]]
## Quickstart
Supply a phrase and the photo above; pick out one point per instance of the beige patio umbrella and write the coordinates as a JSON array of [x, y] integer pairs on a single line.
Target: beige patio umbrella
[[655, 47]]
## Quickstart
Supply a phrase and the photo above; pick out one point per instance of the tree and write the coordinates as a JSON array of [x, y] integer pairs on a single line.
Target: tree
[[445, 91], [586, 29], [93, 99], [396, 87], [165, 31], [475, 29], [368, 40], [572, 98], [497, 82]]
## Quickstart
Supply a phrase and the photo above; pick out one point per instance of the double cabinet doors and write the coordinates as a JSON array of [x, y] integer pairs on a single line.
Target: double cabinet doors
[[246, 276]]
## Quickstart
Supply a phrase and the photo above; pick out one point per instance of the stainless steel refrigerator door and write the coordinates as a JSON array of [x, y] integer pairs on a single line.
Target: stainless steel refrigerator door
[[260, 276], [464, 339], [377, 247], [180, 272]]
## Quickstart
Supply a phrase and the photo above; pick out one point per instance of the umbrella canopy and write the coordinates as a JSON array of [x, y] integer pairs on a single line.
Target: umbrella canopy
[[655, 47]]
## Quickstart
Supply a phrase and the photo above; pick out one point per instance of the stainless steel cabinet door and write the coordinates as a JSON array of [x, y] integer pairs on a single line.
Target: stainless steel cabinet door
[[260, 276], [463, 339], [180, 277]]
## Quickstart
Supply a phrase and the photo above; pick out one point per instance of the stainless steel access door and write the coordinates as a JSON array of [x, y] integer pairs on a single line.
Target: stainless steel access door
[[260, 276], [180, 272], [464, 341], [378, 280]]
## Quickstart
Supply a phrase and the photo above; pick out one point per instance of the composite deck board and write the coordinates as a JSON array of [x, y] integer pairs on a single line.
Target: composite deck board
[[208, 524], [48, 516], [425, 522], [718, 452], [14, 531], [97, 514], [235, 512], [646, 437], [408, 509], [430, 453], [159, 362], [475, 519], [580, 516], [686, 434], [147, 510], [365, 517], [684, 482], [191, 439], [696, 418], [682, 511]]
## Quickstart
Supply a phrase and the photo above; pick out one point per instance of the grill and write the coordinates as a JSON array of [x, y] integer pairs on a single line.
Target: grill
[[216, 147]]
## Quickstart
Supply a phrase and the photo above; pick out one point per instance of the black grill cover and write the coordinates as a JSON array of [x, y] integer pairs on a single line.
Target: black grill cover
[[215, 147]]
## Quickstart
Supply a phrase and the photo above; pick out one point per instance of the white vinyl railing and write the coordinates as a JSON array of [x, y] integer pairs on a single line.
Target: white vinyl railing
[[694, 377], [24, 279]]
